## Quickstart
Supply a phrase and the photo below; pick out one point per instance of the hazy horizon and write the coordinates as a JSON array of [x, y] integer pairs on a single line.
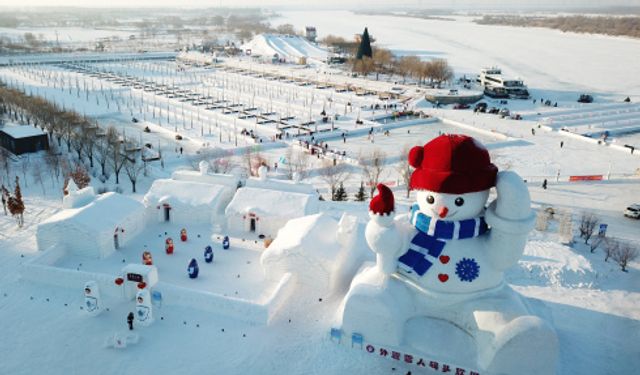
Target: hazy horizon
[[342, 4]]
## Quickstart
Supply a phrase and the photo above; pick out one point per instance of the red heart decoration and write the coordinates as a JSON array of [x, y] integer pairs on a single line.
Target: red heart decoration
[[443, 277], [444, 259]]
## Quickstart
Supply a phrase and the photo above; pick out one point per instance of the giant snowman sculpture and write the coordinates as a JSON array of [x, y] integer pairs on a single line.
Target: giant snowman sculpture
[[445, 262]]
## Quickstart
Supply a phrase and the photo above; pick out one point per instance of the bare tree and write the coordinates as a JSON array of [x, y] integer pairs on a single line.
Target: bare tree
[[253, 160], [625, 254], [333, 175], [297, 164], [102, 154], [404, 169], [382, 60], [24, 167], [36, 173], [78, 144], [588, 222], [52, 160], [441, 71], [597, 241], [133, 170], [363, 66], [5, 162], [373, 165], [221, 162], [4, 196], [117, 159], [406, 66], [611, 246]]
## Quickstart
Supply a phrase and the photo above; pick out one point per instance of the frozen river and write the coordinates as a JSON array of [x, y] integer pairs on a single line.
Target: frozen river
[[546, 59]]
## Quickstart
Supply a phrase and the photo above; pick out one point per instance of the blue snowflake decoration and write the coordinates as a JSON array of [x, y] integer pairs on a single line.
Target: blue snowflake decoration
[[467, 269]]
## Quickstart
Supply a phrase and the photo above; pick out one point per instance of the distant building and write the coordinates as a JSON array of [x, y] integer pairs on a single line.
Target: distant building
[[21, 139], [310, 33]]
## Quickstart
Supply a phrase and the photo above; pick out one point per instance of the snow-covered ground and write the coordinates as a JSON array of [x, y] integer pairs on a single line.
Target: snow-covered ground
[[594, 306]]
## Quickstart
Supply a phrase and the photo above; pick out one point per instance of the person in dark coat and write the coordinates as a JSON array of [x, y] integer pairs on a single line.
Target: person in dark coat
[[130, 321], [544, 184]]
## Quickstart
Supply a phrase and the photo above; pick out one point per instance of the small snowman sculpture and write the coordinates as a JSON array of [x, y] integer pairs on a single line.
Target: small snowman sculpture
[[168, 245], [445, 260], [92, 301], [144, 309]]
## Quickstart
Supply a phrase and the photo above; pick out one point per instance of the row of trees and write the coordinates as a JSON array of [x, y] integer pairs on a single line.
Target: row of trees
[[89, 144], [621, 251], [432, 72], [609, 25], [383, 61]]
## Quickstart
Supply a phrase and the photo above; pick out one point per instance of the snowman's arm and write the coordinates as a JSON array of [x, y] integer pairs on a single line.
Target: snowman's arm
[[383, 235], [511, 219]]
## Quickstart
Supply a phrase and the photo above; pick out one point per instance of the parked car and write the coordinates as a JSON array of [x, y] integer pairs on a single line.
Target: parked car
[[504, 112], [178, 137], [633, 211], [493, 110], [480, 107], [584, 98], [517, 116], [461, 106]]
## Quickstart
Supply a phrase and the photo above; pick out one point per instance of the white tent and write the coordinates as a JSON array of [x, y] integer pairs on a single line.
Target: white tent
[[187, 201], [96, 229]]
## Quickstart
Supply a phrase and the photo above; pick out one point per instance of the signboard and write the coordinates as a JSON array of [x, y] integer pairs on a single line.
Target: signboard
[[135, 277], [603, 230], [586, 178], [401, 356], [417, 361]]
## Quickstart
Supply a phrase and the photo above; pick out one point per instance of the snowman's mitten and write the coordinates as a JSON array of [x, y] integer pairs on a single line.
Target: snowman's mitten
[[511, 211], [381, 233]]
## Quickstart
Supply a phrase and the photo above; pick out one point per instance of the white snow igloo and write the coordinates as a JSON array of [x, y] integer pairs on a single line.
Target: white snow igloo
[[96, 229], [321, 252], [265, 211], [186, 202]]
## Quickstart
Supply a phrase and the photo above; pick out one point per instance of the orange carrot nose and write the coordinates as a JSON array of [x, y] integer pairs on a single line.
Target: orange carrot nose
[[443, 212]]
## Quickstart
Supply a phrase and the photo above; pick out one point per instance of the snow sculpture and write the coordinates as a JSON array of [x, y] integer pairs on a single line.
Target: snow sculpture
[[262, 173], [168, 245], [147, 259], [144, 309], [75, 197], [208, 254], [133, 276], [203, 166], [226, 243], [92, 301], [193, 269], [445, 261]]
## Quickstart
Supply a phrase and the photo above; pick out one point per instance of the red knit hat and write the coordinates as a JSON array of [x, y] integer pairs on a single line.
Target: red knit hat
[[452, 164]]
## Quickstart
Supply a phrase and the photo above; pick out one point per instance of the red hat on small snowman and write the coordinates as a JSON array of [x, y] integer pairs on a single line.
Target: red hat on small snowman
[[452, 164]]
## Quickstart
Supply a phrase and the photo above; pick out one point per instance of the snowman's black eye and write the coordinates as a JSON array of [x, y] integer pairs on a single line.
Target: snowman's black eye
[[459, 202], [430, 199]]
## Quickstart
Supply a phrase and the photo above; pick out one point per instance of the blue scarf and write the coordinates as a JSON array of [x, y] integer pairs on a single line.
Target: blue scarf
[[427, 245]]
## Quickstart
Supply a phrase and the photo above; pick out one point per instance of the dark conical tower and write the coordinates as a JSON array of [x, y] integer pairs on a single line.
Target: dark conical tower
[[365, 46]]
